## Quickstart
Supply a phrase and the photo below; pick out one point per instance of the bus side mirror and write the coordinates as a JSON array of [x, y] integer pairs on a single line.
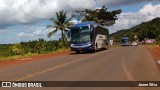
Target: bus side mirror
[[91, 33], [69, 34]]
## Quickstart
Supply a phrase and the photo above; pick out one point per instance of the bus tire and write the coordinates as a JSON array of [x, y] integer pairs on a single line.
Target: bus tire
[[93, 50], [77, 52], [96, 48], [104, 48]]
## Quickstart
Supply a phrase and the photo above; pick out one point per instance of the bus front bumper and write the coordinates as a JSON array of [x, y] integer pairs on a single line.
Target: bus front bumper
[[81, 47]]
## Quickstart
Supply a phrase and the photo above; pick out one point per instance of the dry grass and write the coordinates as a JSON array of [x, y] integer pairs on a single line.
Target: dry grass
[[9, 58], [151, 46]]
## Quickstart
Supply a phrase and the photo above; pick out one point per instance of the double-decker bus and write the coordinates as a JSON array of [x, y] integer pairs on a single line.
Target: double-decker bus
[[125, 41], [88, 36]]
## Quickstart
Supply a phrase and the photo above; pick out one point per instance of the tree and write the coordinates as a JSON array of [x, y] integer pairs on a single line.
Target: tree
[[102, 16], [131, 36], [107, 17], [61, 22], [117, 39], [17, 49]]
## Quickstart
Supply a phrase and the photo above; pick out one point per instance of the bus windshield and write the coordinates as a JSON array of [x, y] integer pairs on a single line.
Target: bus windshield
[[80, 34], [124, 40]]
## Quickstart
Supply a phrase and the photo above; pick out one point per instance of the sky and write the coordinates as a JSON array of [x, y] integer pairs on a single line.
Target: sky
[[25, 20]]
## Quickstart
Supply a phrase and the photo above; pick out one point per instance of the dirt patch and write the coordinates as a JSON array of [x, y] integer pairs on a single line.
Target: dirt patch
[[155, 51], [33, 58]]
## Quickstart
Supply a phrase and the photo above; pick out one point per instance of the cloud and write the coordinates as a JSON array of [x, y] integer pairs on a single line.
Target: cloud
[[21, 34], [128, 20], [24, 35], [36, 33], [117, 3], [40, 32], [13, 12]]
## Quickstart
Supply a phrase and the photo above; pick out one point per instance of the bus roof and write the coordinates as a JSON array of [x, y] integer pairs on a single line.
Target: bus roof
[[84, 24], [124, 37]]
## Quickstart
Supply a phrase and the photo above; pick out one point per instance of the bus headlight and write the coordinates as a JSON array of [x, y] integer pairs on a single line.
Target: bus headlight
[[89, 45], [86, 45], [71, 45]]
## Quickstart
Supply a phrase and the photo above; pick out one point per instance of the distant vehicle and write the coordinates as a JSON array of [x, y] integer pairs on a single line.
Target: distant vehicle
[[149, 41], [125, 41], [134, 43], [88, 36]]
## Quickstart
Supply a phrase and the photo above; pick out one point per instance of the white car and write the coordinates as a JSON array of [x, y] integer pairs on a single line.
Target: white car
[[134, 43]]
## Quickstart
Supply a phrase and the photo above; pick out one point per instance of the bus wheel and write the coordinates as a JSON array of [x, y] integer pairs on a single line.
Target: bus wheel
[[106, 48], [95, 48], [77, 52]]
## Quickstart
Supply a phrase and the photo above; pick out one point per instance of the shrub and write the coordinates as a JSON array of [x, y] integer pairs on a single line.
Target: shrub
[[17, 49], [158, 38]]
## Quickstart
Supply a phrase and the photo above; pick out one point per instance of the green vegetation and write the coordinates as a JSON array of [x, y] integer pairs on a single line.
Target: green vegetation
[[150, 30], [25, 49]]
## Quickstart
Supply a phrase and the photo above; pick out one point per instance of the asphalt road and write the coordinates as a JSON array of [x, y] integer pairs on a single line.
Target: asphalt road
[[119, 64]]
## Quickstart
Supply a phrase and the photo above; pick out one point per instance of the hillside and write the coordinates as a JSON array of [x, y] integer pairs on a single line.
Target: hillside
[[150, 29]]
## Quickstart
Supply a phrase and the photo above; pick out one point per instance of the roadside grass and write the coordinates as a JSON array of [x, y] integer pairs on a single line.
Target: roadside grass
[[150, 47], [10, 58], [4, 55]]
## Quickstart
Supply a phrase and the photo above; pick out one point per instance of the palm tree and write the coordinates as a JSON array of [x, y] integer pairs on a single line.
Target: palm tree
[[61, 22]]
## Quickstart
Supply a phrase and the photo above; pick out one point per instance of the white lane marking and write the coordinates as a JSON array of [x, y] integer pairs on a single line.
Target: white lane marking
[[158, 61], [128, 74]]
